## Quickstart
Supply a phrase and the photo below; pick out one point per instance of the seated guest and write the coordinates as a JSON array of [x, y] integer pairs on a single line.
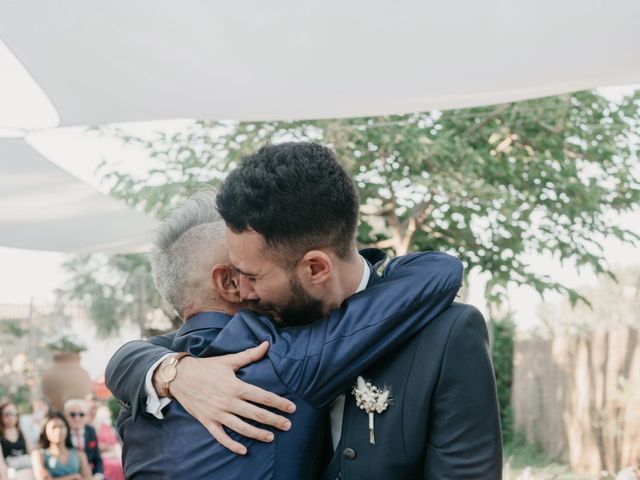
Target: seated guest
[[99, 417], [83, 436], [92, 404], [57, 457], [31, 425], [15, 447]]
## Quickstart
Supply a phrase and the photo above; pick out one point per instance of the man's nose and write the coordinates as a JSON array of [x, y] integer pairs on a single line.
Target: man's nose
[[246, 289]]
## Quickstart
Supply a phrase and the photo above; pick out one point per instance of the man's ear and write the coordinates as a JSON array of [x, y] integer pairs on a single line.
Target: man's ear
[[315, 266], [224, 281]]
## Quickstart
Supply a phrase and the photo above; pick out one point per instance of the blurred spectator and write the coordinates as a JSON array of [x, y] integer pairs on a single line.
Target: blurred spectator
[[57, 457], [99, 417], [92, 408], [31, 424], [83, 436], [3, 469], [15, 447]]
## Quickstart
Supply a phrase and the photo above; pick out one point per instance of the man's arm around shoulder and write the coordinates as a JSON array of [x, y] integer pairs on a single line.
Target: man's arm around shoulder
[[128, 367], [210, 390]]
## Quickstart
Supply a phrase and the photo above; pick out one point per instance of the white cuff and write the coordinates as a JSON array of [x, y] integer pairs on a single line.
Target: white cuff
[[155, 404]]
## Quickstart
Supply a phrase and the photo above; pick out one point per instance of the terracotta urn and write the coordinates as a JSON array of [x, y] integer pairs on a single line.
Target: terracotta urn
[[65, 379]]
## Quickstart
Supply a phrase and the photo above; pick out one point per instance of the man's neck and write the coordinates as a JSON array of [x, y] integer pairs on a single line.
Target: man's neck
[[212, 306], [57, 448], [348, 276]]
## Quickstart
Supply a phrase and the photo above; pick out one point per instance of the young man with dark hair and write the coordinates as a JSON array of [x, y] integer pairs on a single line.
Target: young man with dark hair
[[296, 196], [291, 212]]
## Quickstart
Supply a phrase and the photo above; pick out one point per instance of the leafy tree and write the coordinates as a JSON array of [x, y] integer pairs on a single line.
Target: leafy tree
[[118, 290], [14, 327], [114, 409], [492, 184], [613, 304], [504, 331]]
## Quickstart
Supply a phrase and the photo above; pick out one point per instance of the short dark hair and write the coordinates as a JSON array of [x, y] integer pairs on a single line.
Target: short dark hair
[[44, 440], [296, 195]]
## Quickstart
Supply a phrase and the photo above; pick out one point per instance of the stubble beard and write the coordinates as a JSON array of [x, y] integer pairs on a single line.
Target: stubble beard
[[302, 308]]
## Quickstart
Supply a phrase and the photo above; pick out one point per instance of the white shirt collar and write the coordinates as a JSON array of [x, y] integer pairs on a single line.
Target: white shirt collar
[[365, 275]]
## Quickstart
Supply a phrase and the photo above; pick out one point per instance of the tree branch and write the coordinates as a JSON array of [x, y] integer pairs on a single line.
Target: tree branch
[[496, 113]]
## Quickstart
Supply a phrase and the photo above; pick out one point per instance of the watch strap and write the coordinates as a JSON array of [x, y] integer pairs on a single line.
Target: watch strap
[[166, 383]]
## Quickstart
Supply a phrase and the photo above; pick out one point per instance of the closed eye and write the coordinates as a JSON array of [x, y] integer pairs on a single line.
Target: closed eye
[[245, 274]]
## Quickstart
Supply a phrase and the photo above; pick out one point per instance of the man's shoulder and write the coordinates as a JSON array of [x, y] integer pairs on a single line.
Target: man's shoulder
[[456, 317], [458, 323], [374, 256], [163, 340], [430, 345]]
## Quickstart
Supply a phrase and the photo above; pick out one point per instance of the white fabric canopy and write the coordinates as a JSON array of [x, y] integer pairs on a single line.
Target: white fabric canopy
[[43, 207], [118, 60], [121, 61]]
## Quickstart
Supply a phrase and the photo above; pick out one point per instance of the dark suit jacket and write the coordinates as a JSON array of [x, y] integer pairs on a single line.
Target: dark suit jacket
[[310, 364], [444, 421], [91, 449]]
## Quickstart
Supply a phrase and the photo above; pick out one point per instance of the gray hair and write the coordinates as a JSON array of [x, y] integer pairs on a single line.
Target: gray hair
[[78, 402], [187, 245]]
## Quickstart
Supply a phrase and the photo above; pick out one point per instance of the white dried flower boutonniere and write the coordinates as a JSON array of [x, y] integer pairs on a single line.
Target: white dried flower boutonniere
[[372, 400]]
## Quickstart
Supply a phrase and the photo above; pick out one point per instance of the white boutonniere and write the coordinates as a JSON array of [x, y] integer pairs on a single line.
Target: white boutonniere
[[372, 400]]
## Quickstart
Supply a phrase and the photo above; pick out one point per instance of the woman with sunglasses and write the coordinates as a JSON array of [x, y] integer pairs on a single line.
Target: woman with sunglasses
[[15, 446], [57, 457]]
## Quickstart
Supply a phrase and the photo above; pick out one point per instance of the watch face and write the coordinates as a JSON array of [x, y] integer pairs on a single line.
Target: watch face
[[169, 372]]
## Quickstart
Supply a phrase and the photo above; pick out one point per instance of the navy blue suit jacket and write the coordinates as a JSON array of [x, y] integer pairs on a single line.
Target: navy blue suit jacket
[[311, 365], [444, 423], [92, 450]]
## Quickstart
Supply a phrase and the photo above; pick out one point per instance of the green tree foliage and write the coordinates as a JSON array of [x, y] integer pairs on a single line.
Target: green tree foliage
[[613, 304], [114, 409], [117, 290], [492, 184], [503, 340], [14, 327]]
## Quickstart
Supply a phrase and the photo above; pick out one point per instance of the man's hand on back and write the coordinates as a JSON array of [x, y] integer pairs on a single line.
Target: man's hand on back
[[209, 390]]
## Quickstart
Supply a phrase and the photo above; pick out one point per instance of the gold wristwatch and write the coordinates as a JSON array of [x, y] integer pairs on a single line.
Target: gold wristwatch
[[168, 372]]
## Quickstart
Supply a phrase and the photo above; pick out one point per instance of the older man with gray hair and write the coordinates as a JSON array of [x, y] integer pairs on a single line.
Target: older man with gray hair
[[186, 248], [84, 436], [310, 364], [187, 244]]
